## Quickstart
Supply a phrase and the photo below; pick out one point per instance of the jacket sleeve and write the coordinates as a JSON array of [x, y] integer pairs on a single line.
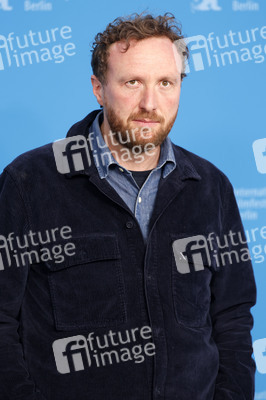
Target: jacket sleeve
[[233, 294], [15, 381]]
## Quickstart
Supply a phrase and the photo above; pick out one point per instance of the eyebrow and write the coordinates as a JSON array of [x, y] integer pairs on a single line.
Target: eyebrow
[[170, 78], [132, 77]]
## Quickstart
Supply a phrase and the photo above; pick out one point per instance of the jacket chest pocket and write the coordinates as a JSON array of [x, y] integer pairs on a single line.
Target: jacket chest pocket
[[87, 289], [191, 290]]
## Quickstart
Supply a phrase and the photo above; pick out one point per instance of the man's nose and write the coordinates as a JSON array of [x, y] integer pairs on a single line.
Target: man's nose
[[148, 100]]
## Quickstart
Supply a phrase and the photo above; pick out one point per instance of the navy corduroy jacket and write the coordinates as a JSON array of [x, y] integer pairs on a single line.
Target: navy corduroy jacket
[[109, 318]]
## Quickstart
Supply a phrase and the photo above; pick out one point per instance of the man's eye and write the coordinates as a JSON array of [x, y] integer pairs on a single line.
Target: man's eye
[[133, 82], [166, 83]]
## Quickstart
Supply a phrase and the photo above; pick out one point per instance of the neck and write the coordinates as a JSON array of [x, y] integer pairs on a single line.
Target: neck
[[131, 159]]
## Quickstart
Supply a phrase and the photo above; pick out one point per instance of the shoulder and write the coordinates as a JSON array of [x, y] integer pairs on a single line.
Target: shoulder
[[207, 171], [34, 163]]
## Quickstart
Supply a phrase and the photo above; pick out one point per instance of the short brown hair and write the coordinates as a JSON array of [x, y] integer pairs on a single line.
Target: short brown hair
[[138, 27]]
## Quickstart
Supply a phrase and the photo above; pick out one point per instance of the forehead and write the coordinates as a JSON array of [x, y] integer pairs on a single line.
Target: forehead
[[151, 54]]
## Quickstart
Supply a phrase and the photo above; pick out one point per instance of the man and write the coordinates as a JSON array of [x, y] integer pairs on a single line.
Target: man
[[124, 271]]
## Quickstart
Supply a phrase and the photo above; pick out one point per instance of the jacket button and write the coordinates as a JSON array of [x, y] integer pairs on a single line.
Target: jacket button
[[129, 224]]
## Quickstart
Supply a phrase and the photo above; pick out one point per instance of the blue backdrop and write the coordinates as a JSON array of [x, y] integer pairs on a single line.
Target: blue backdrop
[[45, 87]]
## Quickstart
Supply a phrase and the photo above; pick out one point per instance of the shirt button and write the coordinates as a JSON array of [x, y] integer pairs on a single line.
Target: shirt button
[[129, 224], [139, 199], [121, 169]]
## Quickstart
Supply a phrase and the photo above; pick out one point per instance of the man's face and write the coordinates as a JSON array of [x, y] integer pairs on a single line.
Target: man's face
[[142, 91]]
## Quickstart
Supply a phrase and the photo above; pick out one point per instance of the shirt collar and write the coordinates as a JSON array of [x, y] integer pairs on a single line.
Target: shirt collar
[[103, 157]]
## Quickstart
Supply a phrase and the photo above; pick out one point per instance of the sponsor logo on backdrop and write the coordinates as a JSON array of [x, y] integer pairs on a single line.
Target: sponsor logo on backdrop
[[259, 348], [78, 353], [5, 6], [259, 149], [251, 202], [36, 47], [29, 5], [205, 5], [43, 5], [214, 5], [228, 49], [260, 395], [246, 5]]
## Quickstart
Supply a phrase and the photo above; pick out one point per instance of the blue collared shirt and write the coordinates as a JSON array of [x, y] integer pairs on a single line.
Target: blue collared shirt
[[140, 201]]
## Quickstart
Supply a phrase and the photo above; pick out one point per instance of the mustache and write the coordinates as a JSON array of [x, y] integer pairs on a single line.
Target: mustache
[[144, 115]]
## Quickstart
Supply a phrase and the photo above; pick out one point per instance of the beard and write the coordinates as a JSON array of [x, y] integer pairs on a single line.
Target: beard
[[130, 137]]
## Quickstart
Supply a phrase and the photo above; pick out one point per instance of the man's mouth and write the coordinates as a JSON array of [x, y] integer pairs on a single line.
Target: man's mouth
[[146, 121]]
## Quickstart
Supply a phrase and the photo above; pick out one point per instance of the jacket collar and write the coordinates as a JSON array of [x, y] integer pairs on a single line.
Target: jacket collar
[[184, 169]]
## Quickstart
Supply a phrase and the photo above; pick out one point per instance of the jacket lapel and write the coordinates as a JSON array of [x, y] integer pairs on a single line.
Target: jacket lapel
[[174, 183]]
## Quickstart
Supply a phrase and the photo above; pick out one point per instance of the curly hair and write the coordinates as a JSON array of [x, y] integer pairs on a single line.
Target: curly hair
[[138, 27]]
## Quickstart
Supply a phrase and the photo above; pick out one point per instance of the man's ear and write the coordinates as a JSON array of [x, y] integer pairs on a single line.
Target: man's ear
[[97, 89]]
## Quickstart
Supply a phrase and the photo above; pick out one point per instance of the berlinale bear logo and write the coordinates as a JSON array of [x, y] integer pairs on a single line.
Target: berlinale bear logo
[[5, 6], [206, 5]]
